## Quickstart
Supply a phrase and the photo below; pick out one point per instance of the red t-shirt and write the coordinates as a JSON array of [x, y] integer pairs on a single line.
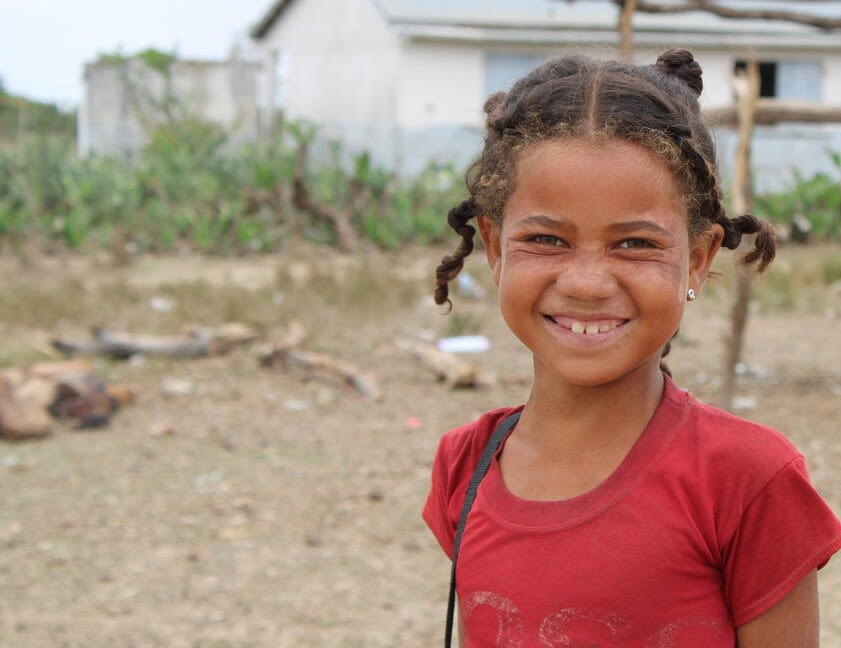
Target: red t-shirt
[[707, 523]]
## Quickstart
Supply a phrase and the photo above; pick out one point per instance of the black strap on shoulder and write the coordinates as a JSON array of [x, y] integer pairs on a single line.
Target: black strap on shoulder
[[478, 474]]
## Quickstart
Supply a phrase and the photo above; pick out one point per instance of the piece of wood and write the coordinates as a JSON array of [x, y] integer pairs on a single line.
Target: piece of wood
[[446, 367], [626, 29], [348, 373], [294, 337], [21, 421], [338, 219], [747, 92], [774, 111], [826, 23], [196, 344], [222, 339]]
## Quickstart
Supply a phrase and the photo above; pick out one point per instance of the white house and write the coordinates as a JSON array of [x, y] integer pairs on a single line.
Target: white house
[[406, 79]]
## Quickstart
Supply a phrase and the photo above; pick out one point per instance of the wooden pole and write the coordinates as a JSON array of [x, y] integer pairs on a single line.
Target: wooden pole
[[774, 111], [747, 93], [626, 29]]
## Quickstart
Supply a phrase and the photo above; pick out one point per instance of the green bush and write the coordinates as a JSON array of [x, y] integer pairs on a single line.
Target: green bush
[[817, 199]]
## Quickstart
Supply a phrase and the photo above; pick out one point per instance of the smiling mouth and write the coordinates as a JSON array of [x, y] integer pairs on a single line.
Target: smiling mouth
[[586, 327]]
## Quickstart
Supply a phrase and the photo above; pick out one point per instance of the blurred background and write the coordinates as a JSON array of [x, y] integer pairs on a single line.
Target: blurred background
[[222, 376]]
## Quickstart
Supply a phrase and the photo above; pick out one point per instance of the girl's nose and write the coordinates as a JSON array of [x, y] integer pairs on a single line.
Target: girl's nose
[[587, 277]]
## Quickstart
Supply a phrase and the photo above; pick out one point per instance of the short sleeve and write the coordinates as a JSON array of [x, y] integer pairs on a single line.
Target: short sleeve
[[436, 510], [784, 533]]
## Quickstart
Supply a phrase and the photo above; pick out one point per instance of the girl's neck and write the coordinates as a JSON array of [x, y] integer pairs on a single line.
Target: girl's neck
[[569, 416]]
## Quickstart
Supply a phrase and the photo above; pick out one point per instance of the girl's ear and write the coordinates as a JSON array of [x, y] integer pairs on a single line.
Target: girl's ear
[[490, 232], [701, 255]]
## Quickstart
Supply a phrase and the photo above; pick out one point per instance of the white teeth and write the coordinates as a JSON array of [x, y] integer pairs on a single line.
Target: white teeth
[[592, 329]]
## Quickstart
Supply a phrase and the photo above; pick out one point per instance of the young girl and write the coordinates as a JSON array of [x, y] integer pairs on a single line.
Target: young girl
[[619, 510]]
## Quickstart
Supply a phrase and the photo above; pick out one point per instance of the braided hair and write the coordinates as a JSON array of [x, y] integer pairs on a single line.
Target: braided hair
[[655, 106]]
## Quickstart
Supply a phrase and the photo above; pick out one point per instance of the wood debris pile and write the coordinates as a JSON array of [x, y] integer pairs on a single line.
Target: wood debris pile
[[31, 397]]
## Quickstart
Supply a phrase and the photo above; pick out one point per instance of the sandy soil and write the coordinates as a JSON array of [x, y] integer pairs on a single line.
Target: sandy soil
[[272, 509]]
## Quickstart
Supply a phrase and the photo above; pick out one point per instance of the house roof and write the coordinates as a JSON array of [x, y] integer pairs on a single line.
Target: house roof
[[591, 20], [262, 26]]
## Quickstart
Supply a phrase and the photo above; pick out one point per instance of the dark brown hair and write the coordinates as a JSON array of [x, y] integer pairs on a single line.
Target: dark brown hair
[[655, 106]]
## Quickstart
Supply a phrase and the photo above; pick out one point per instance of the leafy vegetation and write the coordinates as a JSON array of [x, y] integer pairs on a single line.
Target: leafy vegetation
[[816, 199], [188, 188], [20, 117]]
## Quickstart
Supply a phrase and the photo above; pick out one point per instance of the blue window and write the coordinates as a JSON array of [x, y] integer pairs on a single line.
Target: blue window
[[502, 69]]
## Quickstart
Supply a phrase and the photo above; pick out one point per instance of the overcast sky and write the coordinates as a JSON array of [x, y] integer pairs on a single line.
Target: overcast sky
[[44, 43]]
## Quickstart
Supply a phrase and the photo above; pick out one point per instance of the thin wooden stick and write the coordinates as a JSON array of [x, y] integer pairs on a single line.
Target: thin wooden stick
[[747, 91]]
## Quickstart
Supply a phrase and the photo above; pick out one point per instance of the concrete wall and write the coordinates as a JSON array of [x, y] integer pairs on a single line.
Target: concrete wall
[[339, 64], [122, 102], [440, 83]]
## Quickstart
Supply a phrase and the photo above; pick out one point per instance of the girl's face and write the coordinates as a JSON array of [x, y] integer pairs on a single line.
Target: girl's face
[[593, 259]]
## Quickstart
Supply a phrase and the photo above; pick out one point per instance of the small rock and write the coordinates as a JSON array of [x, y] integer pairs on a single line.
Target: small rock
[[16, 464], [375, 495], [326, 396], [411, 545], [743, 403], [161, 430]]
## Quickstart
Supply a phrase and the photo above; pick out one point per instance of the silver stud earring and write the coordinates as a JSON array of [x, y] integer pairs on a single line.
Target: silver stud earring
[[691, 295]]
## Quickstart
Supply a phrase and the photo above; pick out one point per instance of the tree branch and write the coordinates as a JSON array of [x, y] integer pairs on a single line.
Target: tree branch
[[820, 22]]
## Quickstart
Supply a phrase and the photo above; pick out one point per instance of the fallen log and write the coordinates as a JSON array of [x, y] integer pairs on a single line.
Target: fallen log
[[197, 343], [273, 355], [351, 375], [446, 367], [287, 354]]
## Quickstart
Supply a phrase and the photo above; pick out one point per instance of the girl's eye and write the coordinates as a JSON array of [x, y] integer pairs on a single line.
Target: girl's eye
[[546, 239], [635, 244]]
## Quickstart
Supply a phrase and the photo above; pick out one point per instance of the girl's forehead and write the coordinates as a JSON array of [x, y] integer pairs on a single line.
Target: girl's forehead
[[613, 159], [580, 176], [585, 147]]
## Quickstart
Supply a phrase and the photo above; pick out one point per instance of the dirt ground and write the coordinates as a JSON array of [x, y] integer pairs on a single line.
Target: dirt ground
[[271, 509]]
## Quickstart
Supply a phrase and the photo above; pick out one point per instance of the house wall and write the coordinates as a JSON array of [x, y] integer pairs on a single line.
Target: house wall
[[121, 102], [338, 64], [439, 114], [440, 83]]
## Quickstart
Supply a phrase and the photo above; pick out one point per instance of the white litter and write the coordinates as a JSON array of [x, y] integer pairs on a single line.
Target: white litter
[[463, 344]]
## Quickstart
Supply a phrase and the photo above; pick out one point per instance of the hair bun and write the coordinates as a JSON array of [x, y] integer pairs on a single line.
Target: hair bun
[[681, 64]]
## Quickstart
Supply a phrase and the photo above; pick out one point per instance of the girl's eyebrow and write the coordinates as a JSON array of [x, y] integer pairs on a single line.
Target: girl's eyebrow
[[624, 227], [546, 221], [637, 226]]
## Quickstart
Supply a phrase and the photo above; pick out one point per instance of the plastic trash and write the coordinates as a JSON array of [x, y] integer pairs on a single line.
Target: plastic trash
[[468, 286], [463, 344], [161, 304]]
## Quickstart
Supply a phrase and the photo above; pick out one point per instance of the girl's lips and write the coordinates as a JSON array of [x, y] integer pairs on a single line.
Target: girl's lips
[[589, 326]]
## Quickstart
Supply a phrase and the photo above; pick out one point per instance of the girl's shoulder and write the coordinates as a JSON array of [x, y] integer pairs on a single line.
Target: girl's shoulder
[[469, 439], [724, 433]]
